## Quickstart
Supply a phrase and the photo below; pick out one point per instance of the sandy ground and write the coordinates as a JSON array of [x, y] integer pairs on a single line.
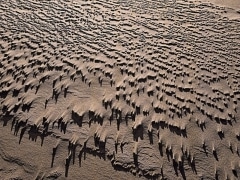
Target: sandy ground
[[235, 4], [119, 89]]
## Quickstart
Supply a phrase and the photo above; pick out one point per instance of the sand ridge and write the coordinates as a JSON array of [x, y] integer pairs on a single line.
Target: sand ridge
[[152, 87]]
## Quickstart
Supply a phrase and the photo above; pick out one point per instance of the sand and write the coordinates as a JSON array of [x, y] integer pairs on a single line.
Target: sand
[[234, 4], [119, 89]]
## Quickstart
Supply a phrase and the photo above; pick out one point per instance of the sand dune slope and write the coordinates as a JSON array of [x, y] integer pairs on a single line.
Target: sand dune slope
[[119, 89]]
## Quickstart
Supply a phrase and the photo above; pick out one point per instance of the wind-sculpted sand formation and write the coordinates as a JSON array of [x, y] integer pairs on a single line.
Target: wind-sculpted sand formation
[[119, 90]]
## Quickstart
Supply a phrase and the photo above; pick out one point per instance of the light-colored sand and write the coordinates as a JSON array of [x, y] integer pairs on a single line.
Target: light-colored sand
[[119, 90], [227, 3]]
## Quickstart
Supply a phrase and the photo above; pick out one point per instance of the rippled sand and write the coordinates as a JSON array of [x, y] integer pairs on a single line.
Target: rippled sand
[[119, 89]]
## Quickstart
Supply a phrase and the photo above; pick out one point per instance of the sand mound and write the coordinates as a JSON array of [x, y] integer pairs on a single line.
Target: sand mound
[[112, 89]]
